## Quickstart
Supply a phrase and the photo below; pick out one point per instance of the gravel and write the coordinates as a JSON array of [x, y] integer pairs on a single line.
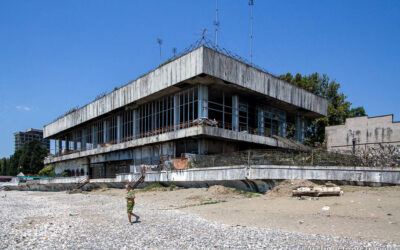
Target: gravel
[[93, 221]]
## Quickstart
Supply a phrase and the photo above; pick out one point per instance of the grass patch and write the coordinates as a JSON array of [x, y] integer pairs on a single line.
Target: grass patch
[[172, 186], [248, 194], [153, 186]]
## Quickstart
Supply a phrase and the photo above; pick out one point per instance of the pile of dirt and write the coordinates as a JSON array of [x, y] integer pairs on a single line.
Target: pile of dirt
[[218, 189], [285, 187]]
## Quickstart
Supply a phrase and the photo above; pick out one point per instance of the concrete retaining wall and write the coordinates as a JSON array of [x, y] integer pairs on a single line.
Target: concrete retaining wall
[[353, 174], [258, 178]]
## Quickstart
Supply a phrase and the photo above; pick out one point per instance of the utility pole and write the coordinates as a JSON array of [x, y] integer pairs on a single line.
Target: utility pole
[[251, 4], [216, 23], [159, 41]]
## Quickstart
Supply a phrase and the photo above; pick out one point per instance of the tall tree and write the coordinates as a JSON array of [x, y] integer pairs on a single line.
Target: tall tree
[[338, 107], [28, 159], [4, 162]]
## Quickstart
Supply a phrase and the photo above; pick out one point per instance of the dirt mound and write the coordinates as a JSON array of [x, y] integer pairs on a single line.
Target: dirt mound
[[218, 189], [285, 187]]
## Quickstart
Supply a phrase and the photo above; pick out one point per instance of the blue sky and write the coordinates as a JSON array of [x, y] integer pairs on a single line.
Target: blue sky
[[55, 55]]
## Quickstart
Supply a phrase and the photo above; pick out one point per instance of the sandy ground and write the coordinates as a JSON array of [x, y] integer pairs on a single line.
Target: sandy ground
[[215, 217], [362, 213]]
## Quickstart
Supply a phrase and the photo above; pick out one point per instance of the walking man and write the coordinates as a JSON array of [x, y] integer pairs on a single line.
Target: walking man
[[130, 203]]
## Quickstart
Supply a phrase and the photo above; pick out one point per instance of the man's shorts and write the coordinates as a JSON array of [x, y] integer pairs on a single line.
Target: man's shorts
[[129, 207]]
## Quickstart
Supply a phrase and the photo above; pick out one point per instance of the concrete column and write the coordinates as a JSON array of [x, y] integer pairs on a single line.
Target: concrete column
[[66, 143], [119, 128], [176, 112], [283, 127], [300, 128], [203, 101], [202, 146], [235, 113], [94, 141], [59, 146], [260, 118], [83, 146], [104, 131], [135, 123]]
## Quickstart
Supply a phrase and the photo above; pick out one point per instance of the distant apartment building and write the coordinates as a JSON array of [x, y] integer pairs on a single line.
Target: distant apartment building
[[359, 133], [29, 135]]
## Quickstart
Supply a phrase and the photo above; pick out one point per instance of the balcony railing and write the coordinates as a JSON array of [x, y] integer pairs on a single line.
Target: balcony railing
[[166, 129]]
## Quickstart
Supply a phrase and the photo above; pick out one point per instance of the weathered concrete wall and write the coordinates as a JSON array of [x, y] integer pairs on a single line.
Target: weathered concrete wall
[[257, 178], [163, 77], [180, 134], [231, 70], [201, 60], [352, 174], [366, 131], [76, 164]]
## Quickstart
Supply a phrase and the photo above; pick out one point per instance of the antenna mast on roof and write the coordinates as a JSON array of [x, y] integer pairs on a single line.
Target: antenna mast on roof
[[203, 34], [251, 4], [159, 41], [216, 23]]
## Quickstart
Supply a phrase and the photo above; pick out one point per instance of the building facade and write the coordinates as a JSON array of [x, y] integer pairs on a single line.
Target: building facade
[[359, 133], [20, 138], [203, 102]]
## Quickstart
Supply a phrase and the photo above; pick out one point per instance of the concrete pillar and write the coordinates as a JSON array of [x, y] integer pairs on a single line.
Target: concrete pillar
[[105, 131], [94, 141], [283, 127], [260, 118], [300, 128], [59, 141], [202, 146], [83, 146], [66, 143], [235, 113], [119, 128], [203, 101], [135, 123], [176, 112]]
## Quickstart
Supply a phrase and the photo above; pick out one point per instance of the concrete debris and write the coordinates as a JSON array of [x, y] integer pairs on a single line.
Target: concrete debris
[[317, 191], [325, 208], [205, 121]]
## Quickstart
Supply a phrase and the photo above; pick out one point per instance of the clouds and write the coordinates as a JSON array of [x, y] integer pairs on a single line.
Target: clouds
[[23, 108]]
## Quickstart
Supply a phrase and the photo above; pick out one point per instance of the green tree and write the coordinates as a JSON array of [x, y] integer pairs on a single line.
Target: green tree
[[338, 107], [28, 159], [4, 163], [47, 171]]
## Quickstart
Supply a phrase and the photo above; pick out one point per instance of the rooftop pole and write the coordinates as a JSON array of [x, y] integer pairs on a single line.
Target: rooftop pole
[[251, 4], [159, 41], [216, 23]]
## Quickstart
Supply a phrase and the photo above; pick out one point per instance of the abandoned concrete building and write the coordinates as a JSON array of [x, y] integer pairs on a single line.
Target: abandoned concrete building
[[203, 102], [359, 133]]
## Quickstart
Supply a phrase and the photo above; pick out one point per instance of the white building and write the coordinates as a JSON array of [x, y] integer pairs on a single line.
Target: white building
[[359, 133]]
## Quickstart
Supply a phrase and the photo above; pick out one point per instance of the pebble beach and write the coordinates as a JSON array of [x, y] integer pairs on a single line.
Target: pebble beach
[[80, 221]]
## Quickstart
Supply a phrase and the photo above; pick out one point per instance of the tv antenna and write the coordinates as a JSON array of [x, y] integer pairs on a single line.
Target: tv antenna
[[159, 41], [216, 23], [203, 34], [251, 4]]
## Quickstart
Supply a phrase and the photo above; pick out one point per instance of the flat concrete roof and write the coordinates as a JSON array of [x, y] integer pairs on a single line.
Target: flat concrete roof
[[202, 60]]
